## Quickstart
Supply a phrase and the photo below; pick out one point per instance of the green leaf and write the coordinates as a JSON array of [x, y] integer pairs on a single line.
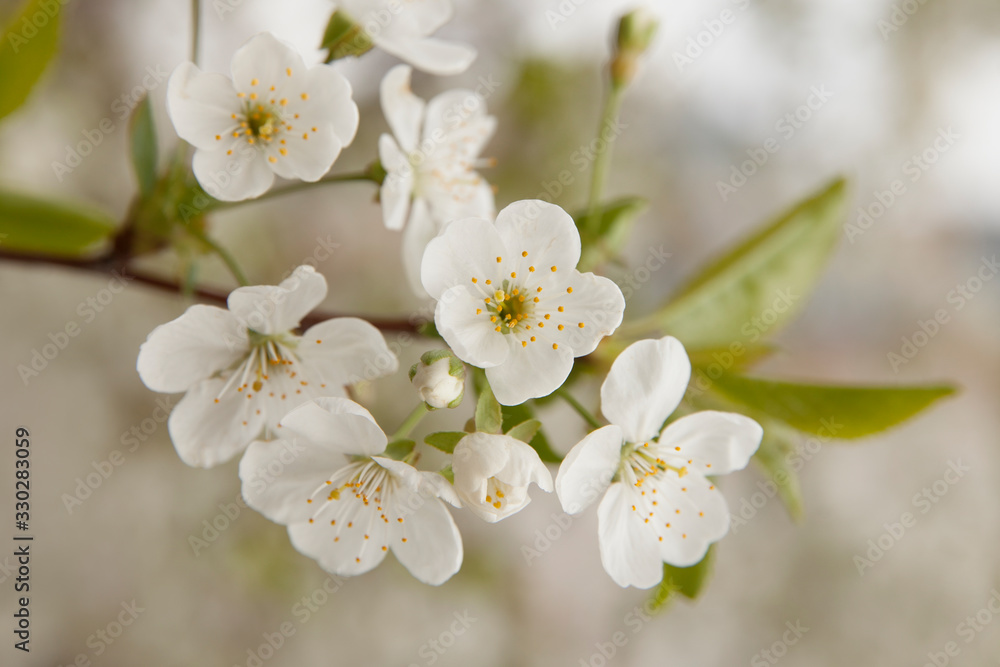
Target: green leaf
[[756, 288], [30, 40], [526, 430], [489, 417], [32, 225], [734, 357], [145, 156], [688, 581], [840, 412], [445, 440], [778, 443], [343, 37], [614, 224], [517, 415], [399, 449]]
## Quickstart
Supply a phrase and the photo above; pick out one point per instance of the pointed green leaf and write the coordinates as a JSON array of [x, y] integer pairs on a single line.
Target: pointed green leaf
[[32, 225], [688, 581], [526, 430], [30, 40], [755, 289], [145, 153], [445, 440], [841, 412], [488, 415], [399, 449], [343, 37], [615, 221]]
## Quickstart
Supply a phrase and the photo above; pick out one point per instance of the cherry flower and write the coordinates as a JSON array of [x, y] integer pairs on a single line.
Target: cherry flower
[[274, 117], [430, 163], [493, 472], [403, 29], [510, 300], [345, 505], [659, 504], [243, 369]]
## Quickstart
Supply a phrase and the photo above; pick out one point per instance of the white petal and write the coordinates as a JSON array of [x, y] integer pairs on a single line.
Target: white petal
[[588, 469], [430, 55], [336, 425], [201, 106], [341, 548], [528, 372], [595, 302], [695, 510], [403, 110], [468, 333], [715, 443], [629, 552], [184, 351], [455, 112], [308, 155], [466, 249], [645, 385], [545, 231], [418, 233], [267, 60], [243, 175], [433, 548], [397, 188], [329, 101], [279, 476], [471, 197], [270, 309], [206, 433], [345, 351]]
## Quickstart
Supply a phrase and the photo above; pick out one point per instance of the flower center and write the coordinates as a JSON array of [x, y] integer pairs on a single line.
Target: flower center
[[509, 307], [261, 122], [638, 462], [496, 491]]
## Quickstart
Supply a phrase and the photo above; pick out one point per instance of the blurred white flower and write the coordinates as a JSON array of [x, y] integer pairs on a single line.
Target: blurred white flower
[[275, 116], [659, 505], [403, 28], [343, 504], [431, 163], [439, 378], [492, 474], [510, 300], [243, 369]]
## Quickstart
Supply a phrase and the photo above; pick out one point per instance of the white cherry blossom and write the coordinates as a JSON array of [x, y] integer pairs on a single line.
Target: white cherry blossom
[[244, 368], [659, 503], [345, 505], [430, 162], [493, 472], [510, 299], [275, 116]]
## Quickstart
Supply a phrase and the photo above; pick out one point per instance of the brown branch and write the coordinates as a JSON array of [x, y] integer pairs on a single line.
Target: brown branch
[[107, 263]]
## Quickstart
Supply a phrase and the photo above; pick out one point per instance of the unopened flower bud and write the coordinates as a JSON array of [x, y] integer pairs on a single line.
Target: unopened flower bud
[[439, 378], [636, 31]]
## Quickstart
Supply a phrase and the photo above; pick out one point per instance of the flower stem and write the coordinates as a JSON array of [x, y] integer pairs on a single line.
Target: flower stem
[[223, 254], [195, 30], [602, 161], [410, 422], [353, 177], [576, 405]]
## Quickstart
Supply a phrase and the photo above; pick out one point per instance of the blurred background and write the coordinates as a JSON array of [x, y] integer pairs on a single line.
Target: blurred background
[[723, 75]]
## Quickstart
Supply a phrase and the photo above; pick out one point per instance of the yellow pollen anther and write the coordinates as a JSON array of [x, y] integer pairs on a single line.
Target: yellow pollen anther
[[569, 290], [305, 96], [581, 325], [513, 274], [524, 254], [561, 327], [475, 280], [254, 82], [499, 259], [555, 346]]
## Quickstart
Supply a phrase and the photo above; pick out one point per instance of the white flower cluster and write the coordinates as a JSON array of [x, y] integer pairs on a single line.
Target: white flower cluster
[[509, 300]]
